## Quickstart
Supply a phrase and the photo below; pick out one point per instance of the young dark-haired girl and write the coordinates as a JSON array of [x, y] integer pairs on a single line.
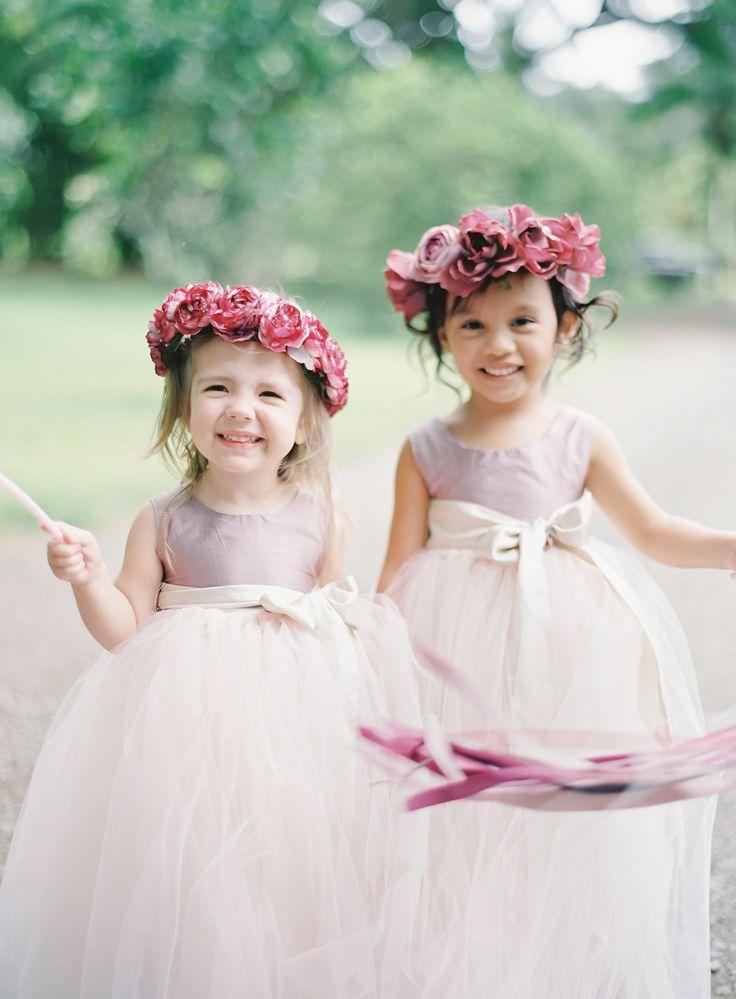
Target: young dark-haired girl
[[557, 636]]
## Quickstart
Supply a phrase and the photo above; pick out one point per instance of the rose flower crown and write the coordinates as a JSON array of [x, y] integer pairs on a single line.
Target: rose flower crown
[[239, 313], [489, 244]]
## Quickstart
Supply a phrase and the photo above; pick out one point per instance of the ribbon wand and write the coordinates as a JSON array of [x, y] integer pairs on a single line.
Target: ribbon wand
[[31, 506]]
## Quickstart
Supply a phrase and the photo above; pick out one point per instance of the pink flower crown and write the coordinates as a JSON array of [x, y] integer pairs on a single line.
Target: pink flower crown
[[461, 259], [238, 313]]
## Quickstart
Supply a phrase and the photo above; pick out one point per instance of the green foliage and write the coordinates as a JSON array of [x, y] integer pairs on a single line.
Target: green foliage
[[135, 123], [702, 75], [248, 137], [390, 154], [685, 131]]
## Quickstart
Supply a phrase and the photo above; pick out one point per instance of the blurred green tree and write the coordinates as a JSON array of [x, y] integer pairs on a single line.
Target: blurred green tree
[[697, 90], [434, 140], [690, 95], [160, 132], [130, 124]]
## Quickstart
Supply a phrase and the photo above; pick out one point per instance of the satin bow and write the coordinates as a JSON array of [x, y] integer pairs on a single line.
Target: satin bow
[[316, 609], [509, 541], [305, 608], [456, 524]]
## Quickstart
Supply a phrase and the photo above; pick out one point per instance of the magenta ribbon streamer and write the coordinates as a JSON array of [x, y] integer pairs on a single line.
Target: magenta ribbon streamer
[[692, 768], [31, 506]]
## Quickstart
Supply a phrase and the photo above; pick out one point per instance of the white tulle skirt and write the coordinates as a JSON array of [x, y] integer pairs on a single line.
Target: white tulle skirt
[[581, 654], [200, 824]]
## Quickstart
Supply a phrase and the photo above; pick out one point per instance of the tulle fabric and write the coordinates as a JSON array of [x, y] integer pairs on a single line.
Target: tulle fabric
[[200, 824], [606, 905]]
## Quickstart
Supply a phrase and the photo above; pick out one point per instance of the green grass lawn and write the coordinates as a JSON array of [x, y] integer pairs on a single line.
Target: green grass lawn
[[79, 397]]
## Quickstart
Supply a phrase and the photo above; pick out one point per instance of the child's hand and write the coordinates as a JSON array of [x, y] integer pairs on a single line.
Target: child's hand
[[77, 558]]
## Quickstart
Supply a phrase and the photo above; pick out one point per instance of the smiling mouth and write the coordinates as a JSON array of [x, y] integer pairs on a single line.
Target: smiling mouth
[[240, 440], [498, 373]]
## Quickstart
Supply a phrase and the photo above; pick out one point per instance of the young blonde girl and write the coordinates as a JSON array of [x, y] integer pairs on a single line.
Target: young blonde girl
[[199, 823], [564, 642]]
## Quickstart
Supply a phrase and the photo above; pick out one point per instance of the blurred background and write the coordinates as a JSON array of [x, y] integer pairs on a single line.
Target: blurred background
[[146, 143], [150, 143]]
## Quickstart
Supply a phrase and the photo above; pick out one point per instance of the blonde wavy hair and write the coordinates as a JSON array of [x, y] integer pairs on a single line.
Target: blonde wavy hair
[[308, 464]]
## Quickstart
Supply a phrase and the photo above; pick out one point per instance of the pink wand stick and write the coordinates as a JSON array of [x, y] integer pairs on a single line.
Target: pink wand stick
[[31, 506]]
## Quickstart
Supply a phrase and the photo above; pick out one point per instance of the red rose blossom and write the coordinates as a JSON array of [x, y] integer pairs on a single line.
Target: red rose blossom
[[336, 398], [193, 311], [237, 310], [487, 251], [579, 244], [281, 326], [157, 360], [333, 363], [407, 295], [536, 245], [316, 337], [437, 249], [160, 330]]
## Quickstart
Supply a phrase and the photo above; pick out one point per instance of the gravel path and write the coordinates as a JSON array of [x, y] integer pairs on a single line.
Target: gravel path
[[668, 396]]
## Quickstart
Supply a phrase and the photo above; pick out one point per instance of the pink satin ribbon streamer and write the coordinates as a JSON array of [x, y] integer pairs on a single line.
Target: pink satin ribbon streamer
[[465, 765], [692, 768], [31, 506]]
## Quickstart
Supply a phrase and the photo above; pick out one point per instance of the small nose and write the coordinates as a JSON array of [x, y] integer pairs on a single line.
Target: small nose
[[499, 341], [240, 408]]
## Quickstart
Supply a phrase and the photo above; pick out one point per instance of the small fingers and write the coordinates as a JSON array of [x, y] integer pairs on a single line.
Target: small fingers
[[69, 561], [66, 561], [74, 558], [62, 549], [74, 535]]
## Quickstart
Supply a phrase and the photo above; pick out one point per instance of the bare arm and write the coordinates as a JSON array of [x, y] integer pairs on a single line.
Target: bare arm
[[111, 611], [409, 524], [659, 535]]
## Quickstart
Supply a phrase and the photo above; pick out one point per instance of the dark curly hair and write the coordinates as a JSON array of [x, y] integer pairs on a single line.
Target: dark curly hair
[[427, 329]]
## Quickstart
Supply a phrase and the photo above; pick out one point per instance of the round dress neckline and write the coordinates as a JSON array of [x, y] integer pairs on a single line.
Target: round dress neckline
[[266, 515], [502, 450]]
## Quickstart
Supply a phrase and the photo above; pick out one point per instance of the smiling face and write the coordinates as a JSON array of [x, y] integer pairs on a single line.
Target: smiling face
[[503, 338], [246, 405]]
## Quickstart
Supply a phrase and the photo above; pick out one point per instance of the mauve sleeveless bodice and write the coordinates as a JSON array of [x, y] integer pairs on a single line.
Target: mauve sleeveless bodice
[[526, 482], [209, 548]]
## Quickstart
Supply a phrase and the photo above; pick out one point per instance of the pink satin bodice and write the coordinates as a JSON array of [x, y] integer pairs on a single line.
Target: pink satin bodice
[[527, 482], [208, 548]]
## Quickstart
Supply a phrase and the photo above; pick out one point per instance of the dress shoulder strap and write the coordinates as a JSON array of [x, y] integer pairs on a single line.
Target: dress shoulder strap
[[428, 447], [571, 436], [162, 501], [165, 504]]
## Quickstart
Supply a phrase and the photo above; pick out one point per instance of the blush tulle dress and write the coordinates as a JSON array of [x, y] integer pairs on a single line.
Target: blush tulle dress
[[562, 644], [200, 824]]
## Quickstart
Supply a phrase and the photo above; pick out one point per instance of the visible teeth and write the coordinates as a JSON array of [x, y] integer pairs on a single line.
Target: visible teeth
[[240, 438], [501, 371]]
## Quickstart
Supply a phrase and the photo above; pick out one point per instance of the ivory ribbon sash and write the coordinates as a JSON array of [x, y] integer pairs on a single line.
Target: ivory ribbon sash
[[307, 609], [455, 524], [324, 606]]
